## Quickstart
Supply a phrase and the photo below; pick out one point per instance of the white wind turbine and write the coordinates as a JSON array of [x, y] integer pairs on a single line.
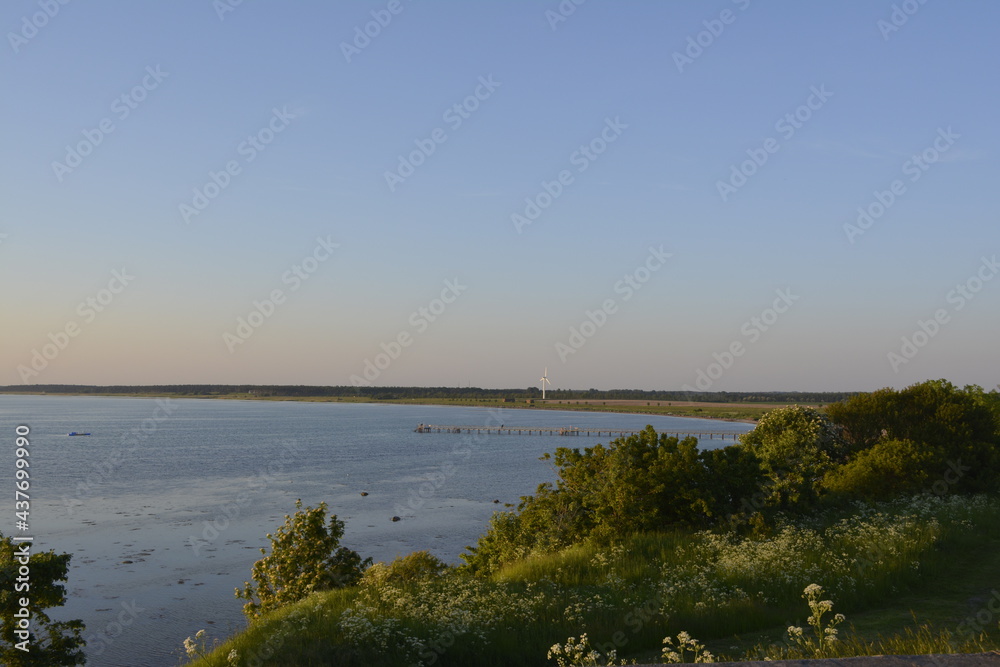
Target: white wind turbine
[[544, 380]]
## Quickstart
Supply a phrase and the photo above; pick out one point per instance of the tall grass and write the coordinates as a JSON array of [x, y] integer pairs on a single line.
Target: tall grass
[[627, 597], [921, 639]]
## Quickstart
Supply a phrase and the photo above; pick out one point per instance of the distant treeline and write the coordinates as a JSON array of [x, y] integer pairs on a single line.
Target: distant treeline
[[390, 393]]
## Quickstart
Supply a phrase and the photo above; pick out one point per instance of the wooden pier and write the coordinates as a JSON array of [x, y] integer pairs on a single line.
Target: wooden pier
[[567, 430]]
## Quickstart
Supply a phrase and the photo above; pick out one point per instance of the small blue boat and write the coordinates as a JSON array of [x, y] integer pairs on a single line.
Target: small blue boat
[[75, 433]]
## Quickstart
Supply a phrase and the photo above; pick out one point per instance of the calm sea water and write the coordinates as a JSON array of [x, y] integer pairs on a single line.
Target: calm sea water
[[165, 505]]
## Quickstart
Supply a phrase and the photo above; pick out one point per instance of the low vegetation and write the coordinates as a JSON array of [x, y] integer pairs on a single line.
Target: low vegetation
[[884, 505]]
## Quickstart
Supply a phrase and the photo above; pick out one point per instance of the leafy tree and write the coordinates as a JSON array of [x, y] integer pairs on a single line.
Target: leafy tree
[[797, 446], [863, 418], [306, 556], [48, 642]]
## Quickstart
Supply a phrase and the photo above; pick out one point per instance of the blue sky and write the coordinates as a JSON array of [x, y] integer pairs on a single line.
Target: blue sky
[[816, 108]]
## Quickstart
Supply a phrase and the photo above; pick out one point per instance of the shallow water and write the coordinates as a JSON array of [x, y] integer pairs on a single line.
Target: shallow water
[[165, 506]]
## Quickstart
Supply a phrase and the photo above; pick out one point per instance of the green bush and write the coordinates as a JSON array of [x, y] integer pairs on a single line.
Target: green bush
[[888, 469], [947, 428], [796, 445], [306, 556], [416, 566], [643, 482]]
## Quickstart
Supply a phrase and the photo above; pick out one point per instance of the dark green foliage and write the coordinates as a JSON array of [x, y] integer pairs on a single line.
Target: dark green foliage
[[50, 643], [931, 437], [733, 477], [863, 417], [888, 469], [640, 483], [951, 435]]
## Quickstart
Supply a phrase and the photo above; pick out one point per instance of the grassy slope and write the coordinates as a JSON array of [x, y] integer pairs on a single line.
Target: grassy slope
[[957, 579], [964, 579]]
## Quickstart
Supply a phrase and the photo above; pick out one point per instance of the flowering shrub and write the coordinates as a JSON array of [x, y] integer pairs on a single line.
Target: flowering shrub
[[306, 556], [797, 446]]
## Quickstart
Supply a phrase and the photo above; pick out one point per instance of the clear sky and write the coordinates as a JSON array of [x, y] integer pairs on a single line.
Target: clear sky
[[676, 169]]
